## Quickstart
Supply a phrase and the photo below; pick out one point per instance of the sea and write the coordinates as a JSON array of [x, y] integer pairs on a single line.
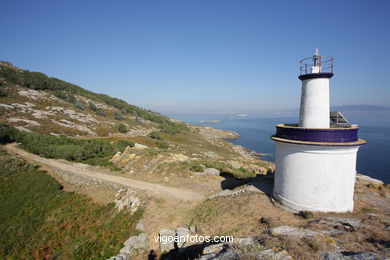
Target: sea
[[255, 131]]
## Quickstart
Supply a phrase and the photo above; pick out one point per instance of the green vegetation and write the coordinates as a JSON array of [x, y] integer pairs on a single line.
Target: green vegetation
[[39, 220], [155, 135], [92, 106], [306, 214], [162, 144], [204, 212], [121, 128], [101, 112], [118, 116], [93, 151], [193, 166], [173, 128], [3, 93], [78, 105]]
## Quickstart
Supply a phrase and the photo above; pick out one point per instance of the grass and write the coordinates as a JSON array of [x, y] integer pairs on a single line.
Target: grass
[[203, 212], [39, 220]]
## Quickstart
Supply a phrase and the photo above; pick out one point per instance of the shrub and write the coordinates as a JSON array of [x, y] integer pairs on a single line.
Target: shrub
[[92, 106], [78, 105], [306, 214], [7, 133], [3, 93], [155, 135], [62, 147], [101, 112], [172, 128], [121, 128], [60, 94], [118, 116], [70, 98], [162, 145], [122, 144]]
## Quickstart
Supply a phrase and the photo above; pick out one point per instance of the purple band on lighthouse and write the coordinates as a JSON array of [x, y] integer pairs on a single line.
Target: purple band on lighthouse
[[324, 135], [316, 75]]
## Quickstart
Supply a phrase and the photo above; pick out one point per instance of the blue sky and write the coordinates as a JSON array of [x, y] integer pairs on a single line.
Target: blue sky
[[203, 56]]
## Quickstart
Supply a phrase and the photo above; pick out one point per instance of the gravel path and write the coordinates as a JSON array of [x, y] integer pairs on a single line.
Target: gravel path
[[102, 174]]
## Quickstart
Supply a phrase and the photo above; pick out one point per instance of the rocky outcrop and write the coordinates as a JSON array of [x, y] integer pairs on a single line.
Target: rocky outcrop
[[127, 200], [132, 246], [293, 231]]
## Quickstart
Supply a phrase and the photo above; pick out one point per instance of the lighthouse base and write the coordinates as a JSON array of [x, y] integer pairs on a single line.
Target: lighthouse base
[[315, 177]]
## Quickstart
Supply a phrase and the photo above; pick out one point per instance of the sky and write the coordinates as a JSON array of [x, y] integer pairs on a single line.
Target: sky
[[202, 56]]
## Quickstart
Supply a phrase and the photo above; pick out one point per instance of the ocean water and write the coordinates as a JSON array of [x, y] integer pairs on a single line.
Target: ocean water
[[255, 131]]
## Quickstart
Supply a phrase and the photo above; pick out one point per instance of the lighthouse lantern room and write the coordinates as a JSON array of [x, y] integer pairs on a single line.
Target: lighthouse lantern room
[[316, 159]]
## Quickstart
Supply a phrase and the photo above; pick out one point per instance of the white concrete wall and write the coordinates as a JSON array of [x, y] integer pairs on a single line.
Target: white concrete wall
[[314, 110], [316, 178]]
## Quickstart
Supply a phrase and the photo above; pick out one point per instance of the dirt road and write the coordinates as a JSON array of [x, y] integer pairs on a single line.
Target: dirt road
[[98, 173]]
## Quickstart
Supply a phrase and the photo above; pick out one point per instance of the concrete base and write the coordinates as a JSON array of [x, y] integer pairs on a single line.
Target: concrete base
[[315, 178]]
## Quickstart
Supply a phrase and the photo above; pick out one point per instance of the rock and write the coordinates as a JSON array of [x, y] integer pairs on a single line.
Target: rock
[[213, 249], [292, 231], [21, 128], [235, 164], [140, 227], [192, 229], [211, 155], [29, 122], [69, 124], [128, 200], [352, 256], [6, 106], [368, 179], [126, 250], [271, 254], [182, 233], [31, 93], [349, 224], [211, 172], [121, 256], [166, 237], [176, 158], [246, 241], [166, 179], [138, 242], [140, 146]]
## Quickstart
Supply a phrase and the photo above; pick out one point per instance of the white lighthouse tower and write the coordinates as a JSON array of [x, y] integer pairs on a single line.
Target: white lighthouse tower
[[316, 159]]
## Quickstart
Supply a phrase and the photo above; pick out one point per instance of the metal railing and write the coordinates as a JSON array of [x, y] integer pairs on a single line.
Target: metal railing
[[325, 64]]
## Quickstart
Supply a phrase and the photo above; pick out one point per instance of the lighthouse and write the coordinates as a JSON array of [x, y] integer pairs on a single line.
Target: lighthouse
[[316, 159]]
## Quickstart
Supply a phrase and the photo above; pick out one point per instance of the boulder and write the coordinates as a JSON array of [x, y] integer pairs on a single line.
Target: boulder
[[292, 231], [140, 146], [208, 172], [140, 227], [127, 200], [166, 237]]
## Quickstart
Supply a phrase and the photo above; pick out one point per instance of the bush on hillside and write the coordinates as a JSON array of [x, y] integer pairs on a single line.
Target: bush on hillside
[[92, 106], [118, 116], [63, 147], [121, 128], [155, 135]]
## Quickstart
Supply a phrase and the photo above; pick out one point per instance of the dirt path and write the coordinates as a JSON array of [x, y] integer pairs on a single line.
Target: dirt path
[[97, 173]]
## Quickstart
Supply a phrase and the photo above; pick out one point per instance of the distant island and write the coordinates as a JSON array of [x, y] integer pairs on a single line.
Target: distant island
[[210, 121]]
